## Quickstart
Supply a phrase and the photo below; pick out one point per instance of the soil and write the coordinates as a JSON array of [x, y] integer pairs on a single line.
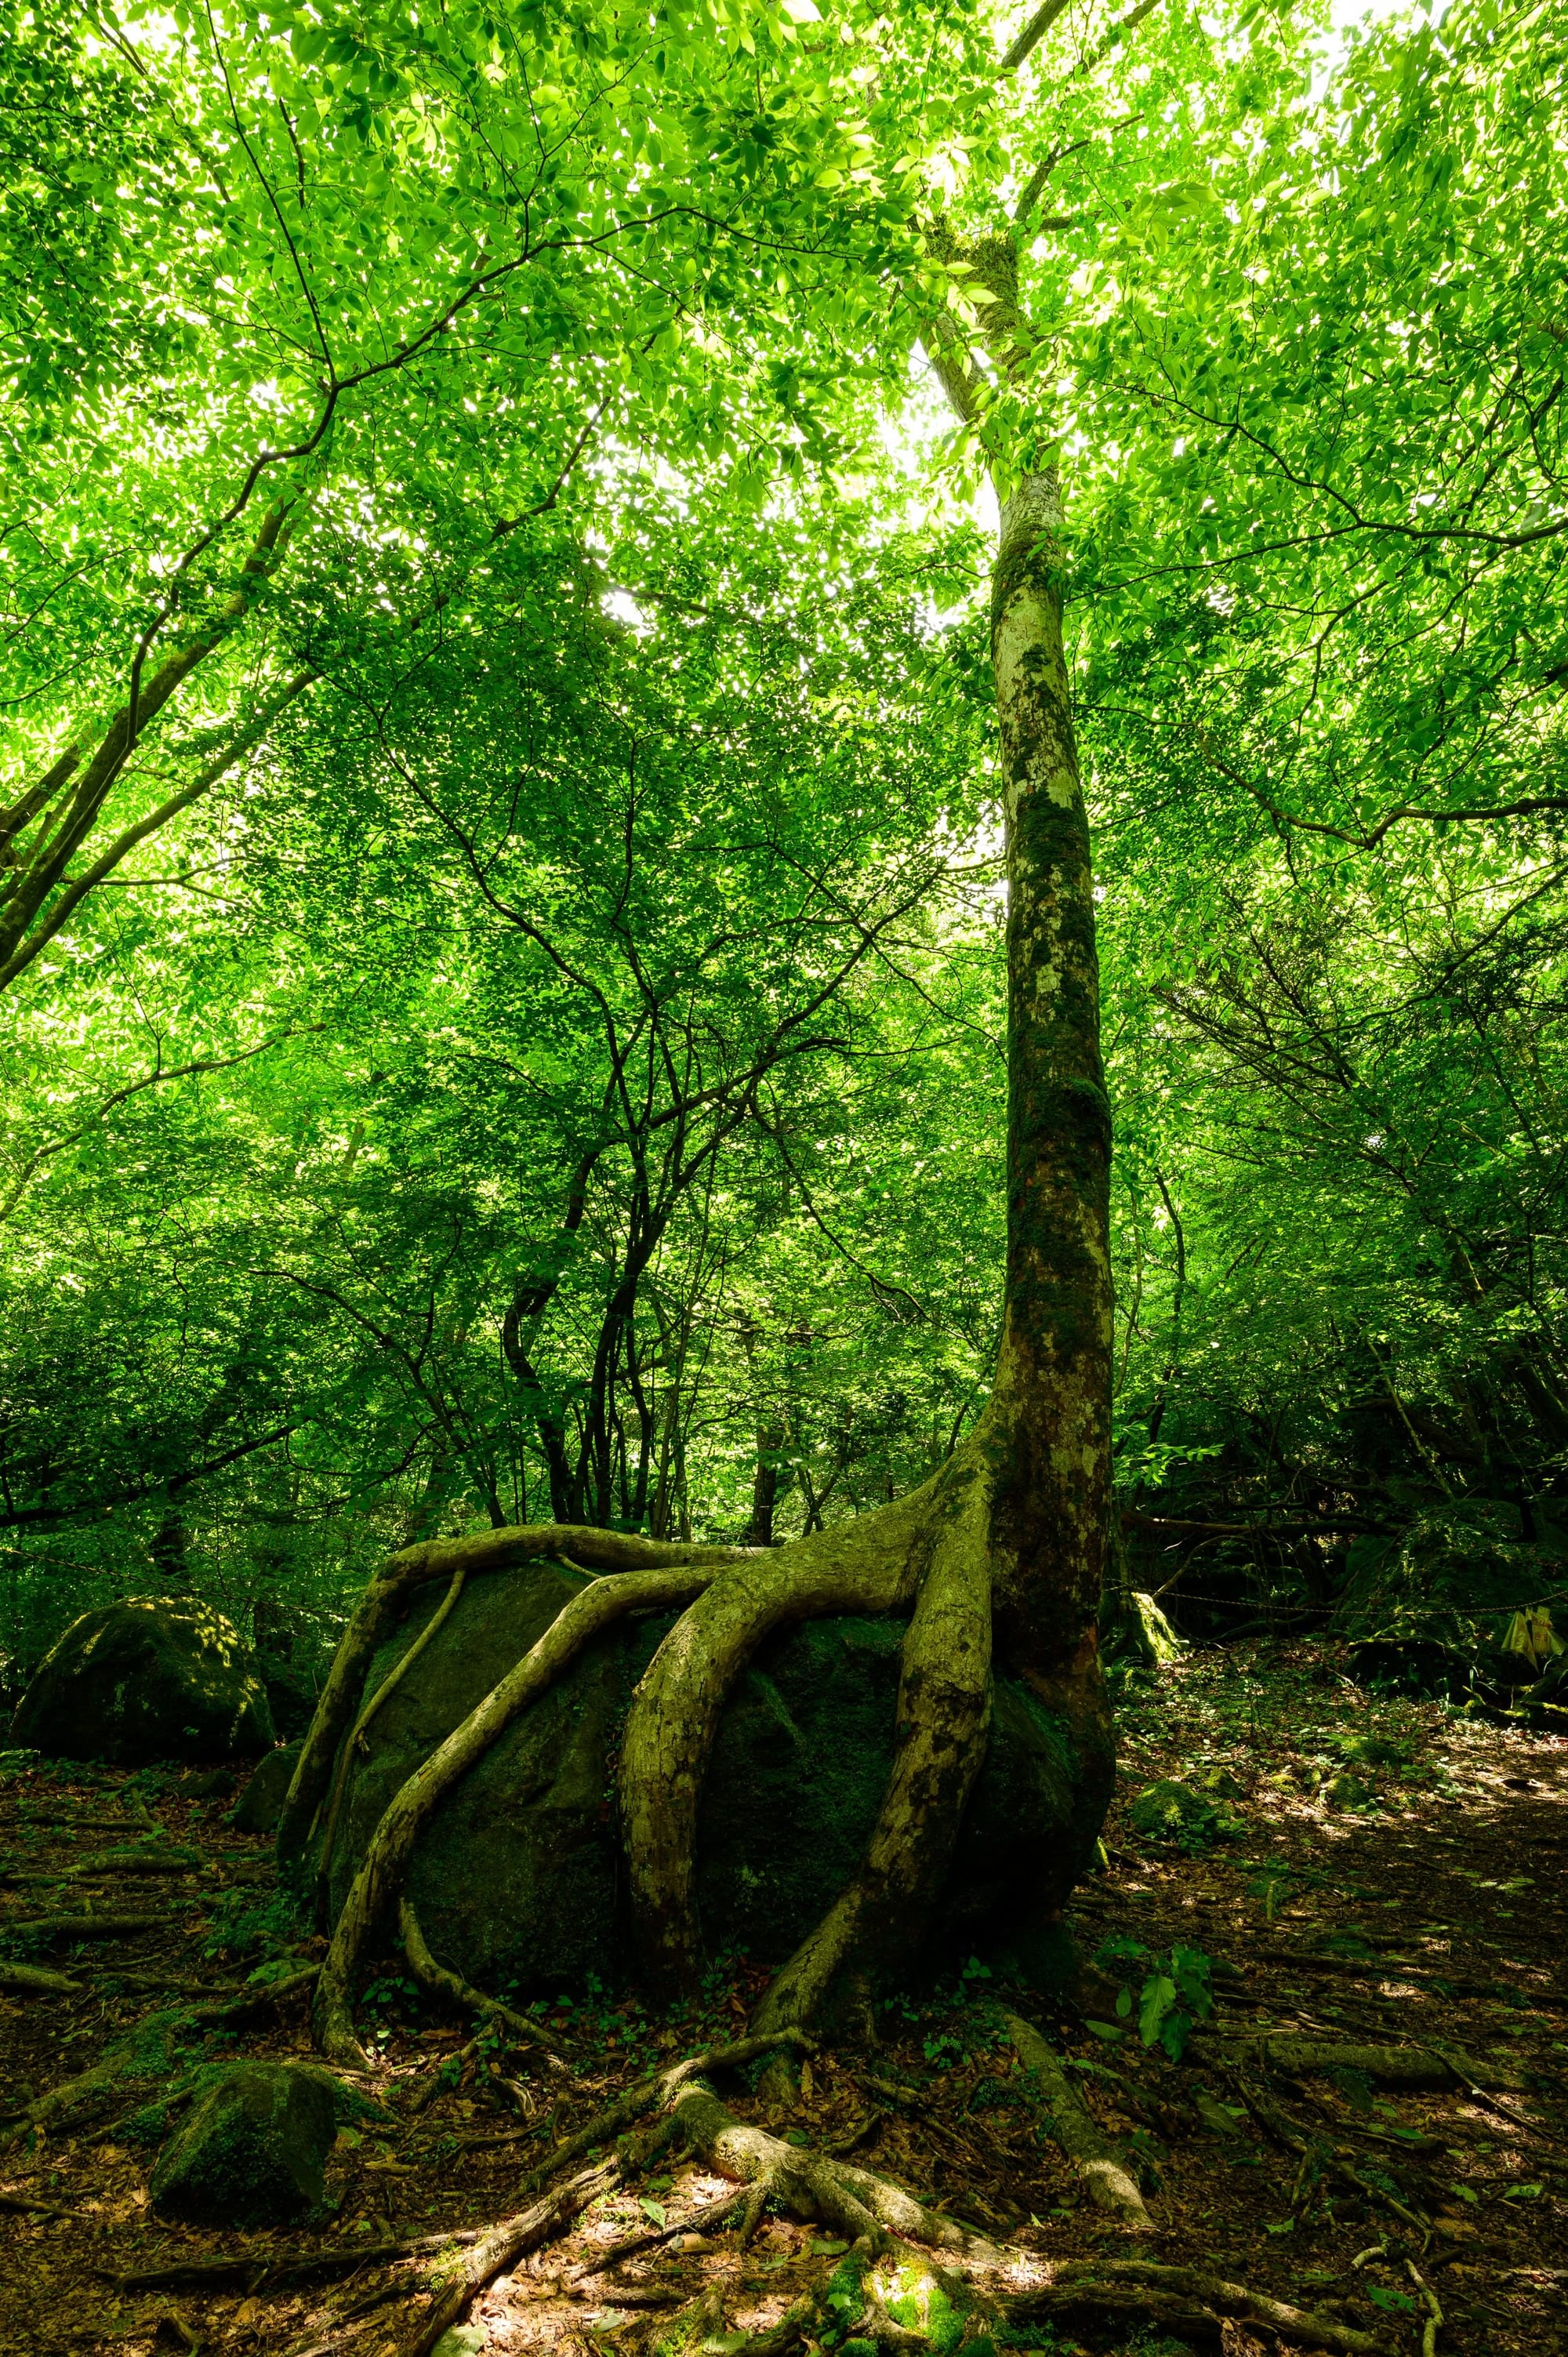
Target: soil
[[1426, 1910]]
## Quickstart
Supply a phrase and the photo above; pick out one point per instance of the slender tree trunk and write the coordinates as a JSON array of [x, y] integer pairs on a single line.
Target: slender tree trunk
[[758, 1532], [1047, 1428]]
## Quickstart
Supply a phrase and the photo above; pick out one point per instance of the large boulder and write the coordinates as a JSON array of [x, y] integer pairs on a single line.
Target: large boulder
[[146, 1679], [254, 2150], [518, 1878]]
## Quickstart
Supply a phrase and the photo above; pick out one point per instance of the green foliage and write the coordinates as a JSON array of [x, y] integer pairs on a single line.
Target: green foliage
[[538, 1046], [243, 1925], [1176, 1991]]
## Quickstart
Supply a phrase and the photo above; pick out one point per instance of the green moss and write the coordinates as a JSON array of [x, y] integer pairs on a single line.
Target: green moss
[[241, 1924], [253, 2149], [518, 1878]]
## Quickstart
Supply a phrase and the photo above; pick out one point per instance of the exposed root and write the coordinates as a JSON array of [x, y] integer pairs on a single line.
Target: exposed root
[[1313, 2157], [257, 2272], [380, 1878], [32, 1980], [658, 2090], [87, 1927], [389, 1685], [855, 2202], [501, 2249], [1391, 2066], [868, 1564], [1183, 2298], [943, 1712], [1104, 2170], [600, 1551], [434, 1977]]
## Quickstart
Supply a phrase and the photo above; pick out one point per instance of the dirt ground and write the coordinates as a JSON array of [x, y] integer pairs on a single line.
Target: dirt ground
[[1417, 1903]]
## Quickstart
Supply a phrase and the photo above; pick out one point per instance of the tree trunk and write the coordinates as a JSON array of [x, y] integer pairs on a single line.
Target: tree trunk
[[999, 1556], [1046, 1429]]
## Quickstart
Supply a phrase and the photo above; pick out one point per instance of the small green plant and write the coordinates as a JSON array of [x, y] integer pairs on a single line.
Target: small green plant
[[244, 1925], [1176, 1994]]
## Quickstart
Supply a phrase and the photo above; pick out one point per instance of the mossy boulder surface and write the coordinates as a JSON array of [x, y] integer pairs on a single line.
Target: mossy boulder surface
[[1172, 1812], [149, 1678], [253, 2151], [260, 1805], [518, 1878]]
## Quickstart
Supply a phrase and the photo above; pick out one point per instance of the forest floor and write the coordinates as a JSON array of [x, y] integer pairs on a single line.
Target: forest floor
[[1423, 1907]]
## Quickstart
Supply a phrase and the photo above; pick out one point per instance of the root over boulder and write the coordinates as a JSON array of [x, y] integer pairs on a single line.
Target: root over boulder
[[518, 1876]]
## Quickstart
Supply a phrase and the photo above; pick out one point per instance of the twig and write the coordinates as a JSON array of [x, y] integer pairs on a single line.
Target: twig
[[1430, 2330]]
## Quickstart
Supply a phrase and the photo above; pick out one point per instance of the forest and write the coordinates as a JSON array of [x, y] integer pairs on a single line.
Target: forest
[[783, 1178]]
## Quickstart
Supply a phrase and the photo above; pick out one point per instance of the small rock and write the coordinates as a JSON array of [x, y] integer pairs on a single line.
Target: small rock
[[207, 1784], [260, 1805], [253, 2151], [1347, 1793]]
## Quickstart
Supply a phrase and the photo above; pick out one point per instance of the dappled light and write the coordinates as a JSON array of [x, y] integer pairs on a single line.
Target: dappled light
[[783, 1180]]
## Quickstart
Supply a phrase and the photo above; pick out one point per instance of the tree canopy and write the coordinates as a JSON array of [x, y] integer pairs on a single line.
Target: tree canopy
[[504, 1005]]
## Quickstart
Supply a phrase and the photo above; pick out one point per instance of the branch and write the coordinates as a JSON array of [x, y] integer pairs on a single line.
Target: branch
[[146, 1489], [1033, 34], [134, 1088], [28, 947], [1369, 838]]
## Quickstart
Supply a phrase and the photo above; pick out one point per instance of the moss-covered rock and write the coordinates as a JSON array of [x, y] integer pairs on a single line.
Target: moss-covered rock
[[260, 1805], [1172, 1812], [519, 1876], [149, 1678], [254, 2150]]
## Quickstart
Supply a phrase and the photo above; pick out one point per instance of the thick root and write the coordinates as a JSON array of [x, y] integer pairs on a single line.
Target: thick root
[[416, 1566], [855, 2202], [380, 1878], [944, 1713], [389, 1685], [1111, 2184], [866, 1566]]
